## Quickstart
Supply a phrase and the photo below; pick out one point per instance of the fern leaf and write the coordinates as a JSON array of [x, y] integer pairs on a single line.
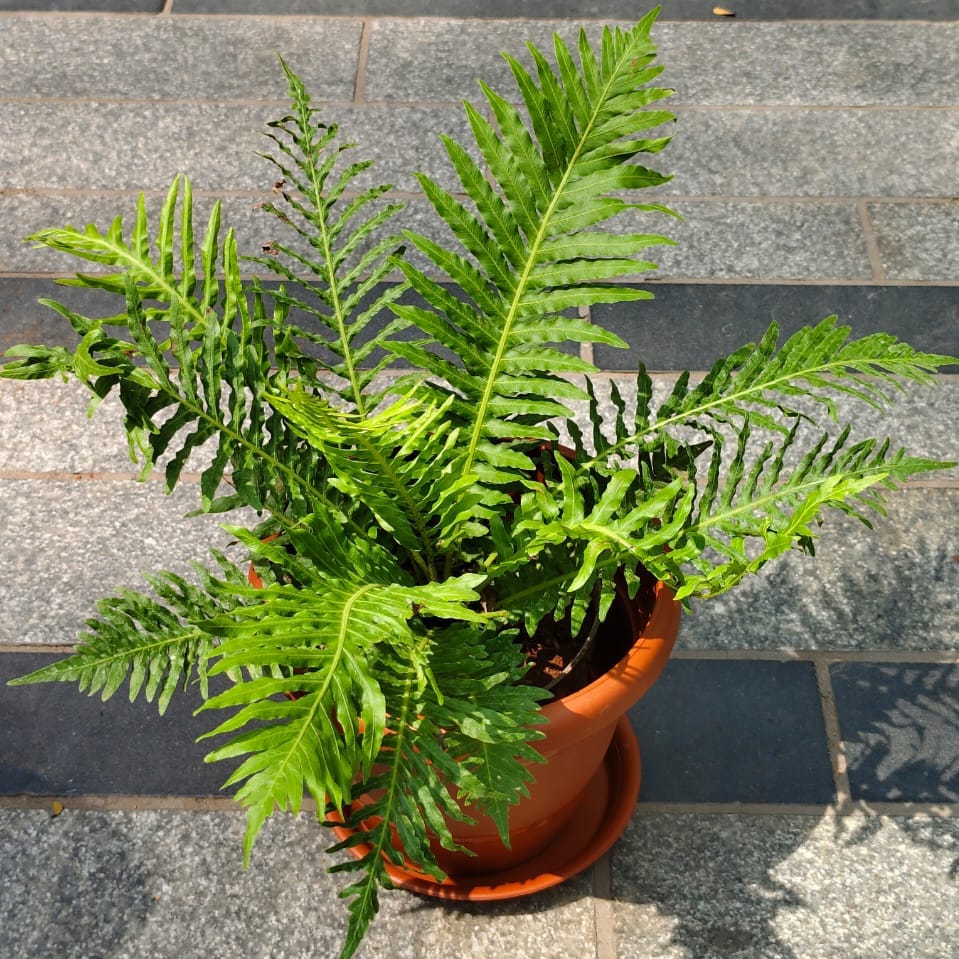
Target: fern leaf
[[772, 384], [404, 463], [525, 256], [152, 643], [474, 730], [344, 257]]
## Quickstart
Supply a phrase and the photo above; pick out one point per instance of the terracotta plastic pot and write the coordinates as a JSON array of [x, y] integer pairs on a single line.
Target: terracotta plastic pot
[[582, 797]]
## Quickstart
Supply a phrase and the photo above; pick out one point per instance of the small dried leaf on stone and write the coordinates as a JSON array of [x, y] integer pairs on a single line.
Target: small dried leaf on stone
[[723, 12], [56, 808]]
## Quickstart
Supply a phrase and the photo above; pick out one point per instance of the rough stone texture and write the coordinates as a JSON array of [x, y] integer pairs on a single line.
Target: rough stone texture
[[170, 885], [847, 64], [103, 145], [63, 545], [600, 9], [900, 723], [917, 241], [45, 427], [786, 887], [764, 151], [750, 240], [821, 64], [422, 59], [175, 58]]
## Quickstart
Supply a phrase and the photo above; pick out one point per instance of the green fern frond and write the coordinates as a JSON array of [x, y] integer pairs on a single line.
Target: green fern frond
[[152, 643], [571, 535], [404, 462], [528, 247], [760, 509], [463, 739], [771, 385], [328, 640], [342, 257], [194, 359]]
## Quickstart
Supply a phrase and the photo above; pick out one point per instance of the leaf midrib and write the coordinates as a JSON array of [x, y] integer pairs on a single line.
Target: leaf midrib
[[726, 399], [531, 261]]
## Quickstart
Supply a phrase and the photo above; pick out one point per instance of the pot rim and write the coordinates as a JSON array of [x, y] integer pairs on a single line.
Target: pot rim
[[618, 689]]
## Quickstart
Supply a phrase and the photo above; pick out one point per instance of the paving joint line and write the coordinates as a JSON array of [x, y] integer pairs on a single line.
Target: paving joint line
[[855, 807], [828, 657], [130, 802], [604, 930], [835, 745], [872, 242], [362, 60], [932, 657]]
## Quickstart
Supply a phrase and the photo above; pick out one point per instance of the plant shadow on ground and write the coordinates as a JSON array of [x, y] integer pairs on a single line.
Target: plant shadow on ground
[[892, 588]]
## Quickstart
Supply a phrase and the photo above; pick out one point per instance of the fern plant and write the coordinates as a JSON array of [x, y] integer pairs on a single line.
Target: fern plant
[[417, 521]]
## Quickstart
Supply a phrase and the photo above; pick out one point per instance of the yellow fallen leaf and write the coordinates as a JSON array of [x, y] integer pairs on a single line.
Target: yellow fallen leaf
[[56, 808], [723, 12]]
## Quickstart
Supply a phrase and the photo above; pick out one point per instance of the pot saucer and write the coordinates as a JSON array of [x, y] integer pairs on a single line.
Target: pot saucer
[[599, 820]]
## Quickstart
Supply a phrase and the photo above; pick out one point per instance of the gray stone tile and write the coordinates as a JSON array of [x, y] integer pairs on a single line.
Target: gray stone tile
[[900, 730], [111, 146], [691, 325], [759, 240], [844, 64], [891, 588], [114, 6], [917, 241], [821, 64], [170, 885], [101, 145], [812, 152], [423, 59], [45, 427], [770, 746], [601, 9], [786, 887], [55, 741], [67, 544], [175, 58]]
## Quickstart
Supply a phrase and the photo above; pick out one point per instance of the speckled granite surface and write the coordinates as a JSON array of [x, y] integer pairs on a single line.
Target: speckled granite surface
[[802, 752]]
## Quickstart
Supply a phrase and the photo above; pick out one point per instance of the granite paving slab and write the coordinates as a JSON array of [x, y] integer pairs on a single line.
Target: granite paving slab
[[744, 732], [766, 151], [759, 239], [900, 723], [917, 241], [171, 885], [786, 887], [599, 9], [95, 145], [710, 732], [818, 64], [83, 6], [688, 326], [156, 58], [65, 544], [719, 239], [55, 741]]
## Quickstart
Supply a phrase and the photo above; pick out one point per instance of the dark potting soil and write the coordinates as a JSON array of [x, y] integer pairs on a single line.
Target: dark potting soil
[[552, 648]]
